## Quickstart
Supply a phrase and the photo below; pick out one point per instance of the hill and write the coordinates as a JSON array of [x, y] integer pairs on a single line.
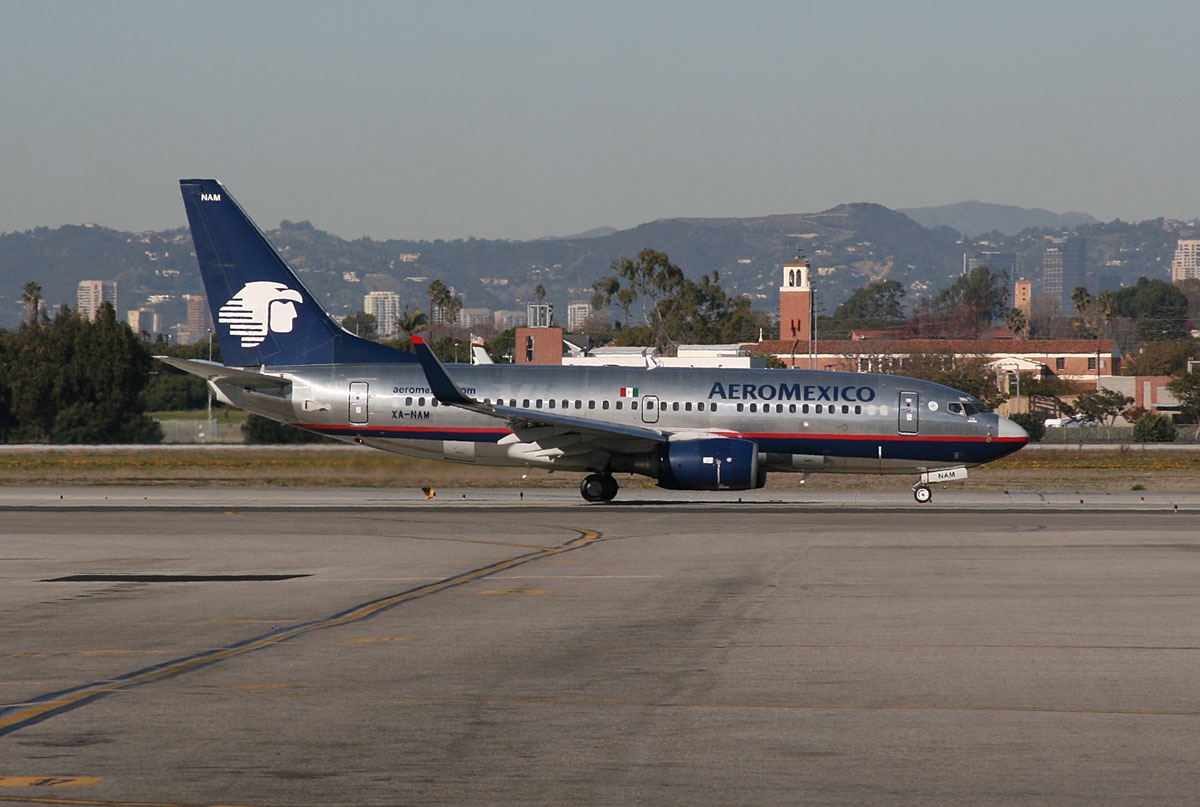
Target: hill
[[848, 245], [974, 219]]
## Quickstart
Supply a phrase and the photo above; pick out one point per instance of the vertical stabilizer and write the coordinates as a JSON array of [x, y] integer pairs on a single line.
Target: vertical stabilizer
[[262, 313]]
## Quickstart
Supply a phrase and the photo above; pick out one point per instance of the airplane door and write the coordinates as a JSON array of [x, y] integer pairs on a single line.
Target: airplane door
[[649, 409], [910, 412], [358, 403]]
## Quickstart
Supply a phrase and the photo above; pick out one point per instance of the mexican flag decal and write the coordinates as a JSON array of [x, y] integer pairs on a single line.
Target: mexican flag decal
[[629, 392]]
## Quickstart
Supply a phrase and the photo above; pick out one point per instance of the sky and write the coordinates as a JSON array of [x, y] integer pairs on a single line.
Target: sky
[[517, 120]]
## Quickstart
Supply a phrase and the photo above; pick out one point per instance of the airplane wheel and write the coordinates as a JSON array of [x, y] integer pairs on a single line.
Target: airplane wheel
[[922, 493], [598, 488]]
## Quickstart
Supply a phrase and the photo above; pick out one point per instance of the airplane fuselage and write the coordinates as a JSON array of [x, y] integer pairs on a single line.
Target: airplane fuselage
[[800, 421]]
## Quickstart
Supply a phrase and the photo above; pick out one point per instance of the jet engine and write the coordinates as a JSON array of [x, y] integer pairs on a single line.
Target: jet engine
[[720, 463]]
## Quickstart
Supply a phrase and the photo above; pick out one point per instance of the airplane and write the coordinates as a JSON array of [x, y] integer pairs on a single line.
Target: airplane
[[696, 429]]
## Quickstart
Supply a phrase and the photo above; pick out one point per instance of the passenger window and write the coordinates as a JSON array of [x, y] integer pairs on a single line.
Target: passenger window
[[858, 409], [791, 409], [420, 401], [633, 404], [620, 405], [538, 404], [513, 402], [604, 405], [845, 409], [408, 401], [687, 407], [779, 409], [753, 407], [820, 408], [804, 409], [591, 404], [550, 403], [579, 404], [741, 407], [674, 406], [525, 403]]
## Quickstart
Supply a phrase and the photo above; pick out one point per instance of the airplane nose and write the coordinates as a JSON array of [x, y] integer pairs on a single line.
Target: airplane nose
[[1007, 430]]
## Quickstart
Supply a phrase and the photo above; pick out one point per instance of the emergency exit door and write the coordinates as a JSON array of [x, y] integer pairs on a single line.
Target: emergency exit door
[[910, 412], [358, 403]]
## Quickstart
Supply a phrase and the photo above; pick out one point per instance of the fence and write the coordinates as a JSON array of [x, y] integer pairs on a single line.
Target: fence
[[1117, 435], [200, 431]]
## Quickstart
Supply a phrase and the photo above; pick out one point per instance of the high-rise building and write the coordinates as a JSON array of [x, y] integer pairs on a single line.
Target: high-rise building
[[996, 261], [91, 294], [199, 318], [1187, 260], [474, 317], [385, 307], [577, 316], [1063, 270]]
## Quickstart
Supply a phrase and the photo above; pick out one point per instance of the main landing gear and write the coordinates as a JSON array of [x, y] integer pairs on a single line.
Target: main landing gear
[[598, 488]]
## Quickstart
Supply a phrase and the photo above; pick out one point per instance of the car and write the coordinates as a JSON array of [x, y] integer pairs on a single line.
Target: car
[[1071, 422]]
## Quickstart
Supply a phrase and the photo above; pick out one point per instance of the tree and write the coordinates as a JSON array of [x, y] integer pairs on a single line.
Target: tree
[[31, 296], [1103, 405], [965, 309], [675, 309], [75, 381], [1015, 321], [412, 321], [1186, 389], [1154, 428], [1160, 358], [443, 303], [875, 306], [1158, 309], [361, 324]]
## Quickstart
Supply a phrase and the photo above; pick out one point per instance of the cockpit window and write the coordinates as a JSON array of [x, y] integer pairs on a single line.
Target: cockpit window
[[965, 407]]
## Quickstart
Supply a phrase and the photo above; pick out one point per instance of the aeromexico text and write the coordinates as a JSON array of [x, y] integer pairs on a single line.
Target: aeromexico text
[[792, 392]]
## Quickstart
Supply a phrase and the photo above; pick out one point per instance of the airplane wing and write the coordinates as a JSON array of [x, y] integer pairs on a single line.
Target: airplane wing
[[448, 393], [212, 371]]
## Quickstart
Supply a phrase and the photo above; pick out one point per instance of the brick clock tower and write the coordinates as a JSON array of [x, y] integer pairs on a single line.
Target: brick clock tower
[[796, 302]]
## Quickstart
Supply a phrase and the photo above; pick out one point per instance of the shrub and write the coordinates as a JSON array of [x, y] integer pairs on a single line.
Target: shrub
[[1154, 428], [1032, 423]]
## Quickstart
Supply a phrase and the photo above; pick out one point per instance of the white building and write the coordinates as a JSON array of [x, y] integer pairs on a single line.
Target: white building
[[385, 306], [577, 316], [91, 294], [1187, 260]]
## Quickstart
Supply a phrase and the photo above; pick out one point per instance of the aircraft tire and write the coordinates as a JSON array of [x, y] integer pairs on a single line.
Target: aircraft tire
[[922, 494], [598, 488]]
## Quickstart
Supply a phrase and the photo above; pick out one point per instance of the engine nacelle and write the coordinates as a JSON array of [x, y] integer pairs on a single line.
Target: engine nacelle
[[719, 463]]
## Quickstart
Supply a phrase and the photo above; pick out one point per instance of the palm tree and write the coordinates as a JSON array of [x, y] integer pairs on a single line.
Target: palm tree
[[31, 296], [412, 320], [1014, 320]]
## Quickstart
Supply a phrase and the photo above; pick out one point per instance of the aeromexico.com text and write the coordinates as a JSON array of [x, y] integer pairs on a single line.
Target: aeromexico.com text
[[792, 392]]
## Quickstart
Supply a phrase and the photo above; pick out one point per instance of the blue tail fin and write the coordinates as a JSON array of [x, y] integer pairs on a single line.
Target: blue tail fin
[[261, 310]]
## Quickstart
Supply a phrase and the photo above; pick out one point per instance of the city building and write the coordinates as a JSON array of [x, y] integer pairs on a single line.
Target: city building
[[1186, 263], [91, 294], [474, 317], [539, 315], [508, 319], [385, 307], [199, 318], [144, 321], [996, 261], [1064, 268], [577, 316]]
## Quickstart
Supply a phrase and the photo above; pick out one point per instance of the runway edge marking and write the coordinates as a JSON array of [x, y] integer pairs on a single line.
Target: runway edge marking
[[46, 706]]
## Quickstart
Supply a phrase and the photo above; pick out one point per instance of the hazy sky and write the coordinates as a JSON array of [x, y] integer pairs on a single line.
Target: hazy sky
[[521, 119]]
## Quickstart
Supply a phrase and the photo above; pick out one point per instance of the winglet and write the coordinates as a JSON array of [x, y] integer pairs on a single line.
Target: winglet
[[440, 383]]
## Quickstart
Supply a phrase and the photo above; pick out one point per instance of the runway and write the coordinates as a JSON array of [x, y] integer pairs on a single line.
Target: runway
[[312, 647]]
